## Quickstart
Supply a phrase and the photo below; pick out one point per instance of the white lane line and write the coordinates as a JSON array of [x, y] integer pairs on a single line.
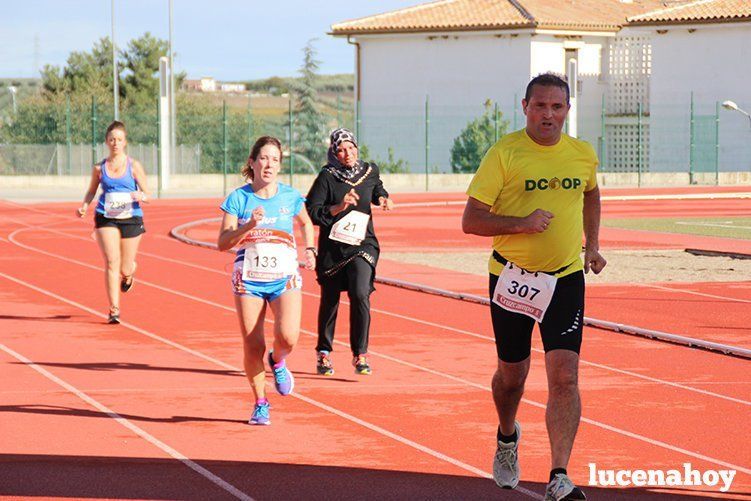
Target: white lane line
[[713, 225], [209, 245], [205, 390], [92, 237], [403, 205], [413, 444], [425, 369], [383, 312], [593, 422], [687, 196], [693, 293], [211, 270], [145, 391], [97, 268], [606, 198], [132, 427], [665, 382], [349, 417]]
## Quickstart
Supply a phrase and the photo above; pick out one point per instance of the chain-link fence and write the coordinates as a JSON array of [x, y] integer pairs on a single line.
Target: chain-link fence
[[65, 139], [693, 138]]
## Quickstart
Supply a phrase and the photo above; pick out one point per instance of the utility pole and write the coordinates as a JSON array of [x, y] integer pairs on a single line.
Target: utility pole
[[115, 79]]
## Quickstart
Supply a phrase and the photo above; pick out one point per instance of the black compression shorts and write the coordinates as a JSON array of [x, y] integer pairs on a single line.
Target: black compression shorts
[[129, 228], [561, 327]]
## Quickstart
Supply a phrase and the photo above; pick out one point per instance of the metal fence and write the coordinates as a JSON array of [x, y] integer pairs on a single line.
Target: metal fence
[[66, 139], [688, 137], [75, 159]]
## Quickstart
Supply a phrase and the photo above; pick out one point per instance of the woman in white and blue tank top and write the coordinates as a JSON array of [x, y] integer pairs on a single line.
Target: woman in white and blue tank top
[[258, 220], [118, 215]]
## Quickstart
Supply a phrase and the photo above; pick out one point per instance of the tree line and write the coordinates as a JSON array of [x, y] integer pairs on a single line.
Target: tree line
[[81, 92]]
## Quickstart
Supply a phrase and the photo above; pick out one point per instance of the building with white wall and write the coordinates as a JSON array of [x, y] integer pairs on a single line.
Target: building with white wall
[[424, 72], [701, 53], [232, 87]]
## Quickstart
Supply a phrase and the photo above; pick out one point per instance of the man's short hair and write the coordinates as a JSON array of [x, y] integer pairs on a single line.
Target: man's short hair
[[548, 79]]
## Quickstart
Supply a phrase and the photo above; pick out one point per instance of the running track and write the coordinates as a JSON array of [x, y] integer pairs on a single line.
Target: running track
[[155, 408]]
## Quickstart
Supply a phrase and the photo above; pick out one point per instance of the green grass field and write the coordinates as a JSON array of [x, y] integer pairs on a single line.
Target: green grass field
[[726, 227]]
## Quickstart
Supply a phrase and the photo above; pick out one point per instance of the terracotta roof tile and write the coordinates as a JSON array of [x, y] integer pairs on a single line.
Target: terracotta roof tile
[[697, 11], [466, 15], [586, 14], [440, 15]]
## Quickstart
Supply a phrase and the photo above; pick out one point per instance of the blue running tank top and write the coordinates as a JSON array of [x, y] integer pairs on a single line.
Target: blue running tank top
[[115, 201], [279, 211]]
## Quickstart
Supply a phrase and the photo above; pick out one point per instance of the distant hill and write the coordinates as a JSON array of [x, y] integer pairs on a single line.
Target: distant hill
[[339, 83], [335, 94]]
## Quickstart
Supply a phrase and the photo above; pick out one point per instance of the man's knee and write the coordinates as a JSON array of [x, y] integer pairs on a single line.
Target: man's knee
[[564, 383], [510, 377], [563, 371]]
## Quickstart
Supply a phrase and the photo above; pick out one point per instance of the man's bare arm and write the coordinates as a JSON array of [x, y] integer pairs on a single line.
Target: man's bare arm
[[593, 260], [478, 220]]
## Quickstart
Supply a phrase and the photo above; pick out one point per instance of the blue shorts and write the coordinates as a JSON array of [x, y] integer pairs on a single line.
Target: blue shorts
[[268, 291]]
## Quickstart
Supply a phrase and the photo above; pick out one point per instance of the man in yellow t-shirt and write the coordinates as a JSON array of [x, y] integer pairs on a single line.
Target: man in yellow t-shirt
[[535, 193]]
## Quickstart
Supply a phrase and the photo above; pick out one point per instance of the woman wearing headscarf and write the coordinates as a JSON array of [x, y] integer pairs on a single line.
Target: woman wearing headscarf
[[339, 202]]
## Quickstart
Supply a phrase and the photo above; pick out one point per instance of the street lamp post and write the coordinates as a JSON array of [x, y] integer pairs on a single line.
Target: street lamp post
[[730, 105], [12, 91], [115, 80], [172, 110]]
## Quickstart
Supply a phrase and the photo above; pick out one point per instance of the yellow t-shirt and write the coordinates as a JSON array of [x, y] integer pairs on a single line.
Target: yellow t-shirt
[[517, 176]]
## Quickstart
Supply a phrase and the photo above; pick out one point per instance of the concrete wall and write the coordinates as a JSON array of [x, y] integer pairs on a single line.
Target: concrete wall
[[713, 62], [211, 185], [548, 53], [453, 69], [459, 72]]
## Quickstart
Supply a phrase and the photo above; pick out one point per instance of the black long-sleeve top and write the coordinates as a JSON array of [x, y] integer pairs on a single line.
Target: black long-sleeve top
[[328, 191]]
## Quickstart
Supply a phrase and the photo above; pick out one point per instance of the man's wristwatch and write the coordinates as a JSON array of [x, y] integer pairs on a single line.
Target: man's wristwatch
[[313, 250]]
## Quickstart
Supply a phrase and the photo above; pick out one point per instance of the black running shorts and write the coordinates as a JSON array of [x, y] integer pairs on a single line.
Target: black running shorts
[[561, 328], [129, 228]]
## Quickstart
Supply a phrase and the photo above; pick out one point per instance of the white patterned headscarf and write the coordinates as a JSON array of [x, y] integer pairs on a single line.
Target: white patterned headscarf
[[339, 170]]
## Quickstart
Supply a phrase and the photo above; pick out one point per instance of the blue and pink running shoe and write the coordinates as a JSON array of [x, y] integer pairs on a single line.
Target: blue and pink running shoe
[[261, 414], [284, 381]]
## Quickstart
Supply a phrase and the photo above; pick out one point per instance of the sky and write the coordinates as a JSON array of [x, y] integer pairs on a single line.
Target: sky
[[225, 39]]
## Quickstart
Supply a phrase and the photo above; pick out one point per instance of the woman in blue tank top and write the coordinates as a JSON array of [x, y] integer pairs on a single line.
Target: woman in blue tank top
[[118, 216], [258, 220]]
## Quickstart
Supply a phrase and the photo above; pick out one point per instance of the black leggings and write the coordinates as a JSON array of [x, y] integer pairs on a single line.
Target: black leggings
[[356, 279]]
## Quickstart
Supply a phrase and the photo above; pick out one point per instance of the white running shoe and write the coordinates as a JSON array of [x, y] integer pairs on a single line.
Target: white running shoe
[[506, 469], [562, 488]]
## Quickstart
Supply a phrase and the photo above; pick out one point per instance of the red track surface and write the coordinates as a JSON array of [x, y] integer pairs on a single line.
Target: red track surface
[[422, 427], [718, 312]]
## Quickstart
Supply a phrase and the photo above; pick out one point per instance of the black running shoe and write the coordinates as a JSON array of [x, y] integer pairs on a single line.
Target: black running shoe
[[126, 283], [114, 317], [361, 365], [324, 367]]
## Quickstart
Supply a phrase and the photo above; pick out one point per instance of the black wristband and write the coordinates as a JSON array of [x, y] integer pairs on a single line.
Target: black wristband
[[313, 249]]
